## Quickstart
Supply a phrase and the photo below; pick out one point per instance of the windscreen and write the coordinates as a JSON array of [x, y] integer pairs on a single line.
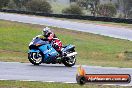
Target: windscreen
[[39, 41]]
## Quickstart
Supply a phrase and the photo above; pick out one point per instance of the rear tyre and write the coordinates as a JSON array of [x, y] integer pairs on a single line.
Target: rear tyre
[[35, 58], [69, 61]]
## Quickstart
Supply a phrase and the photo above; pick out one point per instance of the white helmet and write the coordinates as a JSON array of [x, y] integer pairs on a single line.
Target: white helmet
[[46, 31]]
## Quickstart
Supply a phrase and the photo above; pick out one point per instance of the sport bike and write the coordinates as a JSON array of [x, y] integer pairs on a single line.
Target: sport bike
[[41, 51]]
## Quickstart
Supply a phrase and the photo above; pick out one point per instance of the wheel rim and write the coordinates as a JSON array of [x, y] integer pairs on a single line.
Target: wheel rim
[[36, 57], [71, 60]]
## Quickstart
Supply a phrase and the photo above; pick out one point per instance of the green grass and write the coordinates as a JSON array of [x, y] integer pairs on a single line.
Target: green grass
[[92, 49], [20, 84]]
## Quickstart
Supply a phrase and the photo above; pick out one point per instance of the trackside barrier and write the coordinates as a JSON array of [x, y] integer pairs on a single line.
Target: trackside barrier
[[92, 18]]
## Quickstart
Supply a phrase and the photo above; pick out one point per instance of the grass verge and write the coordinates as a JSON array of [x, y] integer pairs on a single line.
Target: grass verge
[[92, 49], [21, 84]]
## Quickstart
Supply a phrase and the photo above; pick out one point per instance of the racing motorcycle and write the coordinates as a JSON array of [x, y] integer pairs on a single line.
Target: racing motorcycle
[[41, 51]]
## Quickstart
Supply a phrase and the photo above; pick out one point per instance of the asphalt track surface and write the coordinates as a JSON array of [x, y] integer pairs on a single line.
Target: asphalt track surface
[[52, 73], [60, 73], [122, 33]]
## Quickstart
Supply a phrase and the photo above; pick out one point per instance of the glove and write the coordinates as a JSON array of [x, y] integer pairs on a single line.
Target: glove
[[55, 46]]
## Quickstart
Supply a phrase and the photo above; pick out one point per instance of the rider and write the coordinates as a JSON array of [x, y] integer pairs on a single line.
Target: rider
[[52, 38]]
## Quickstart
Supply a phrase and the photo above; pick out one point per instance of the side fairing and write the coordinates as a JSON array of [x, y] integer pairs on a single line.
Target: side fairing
[[33, 50], [49, 53]]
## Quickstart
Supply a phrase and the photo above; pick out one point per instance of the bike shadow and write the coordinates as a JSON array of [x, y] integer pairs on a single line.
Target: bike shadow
[[51, 66]]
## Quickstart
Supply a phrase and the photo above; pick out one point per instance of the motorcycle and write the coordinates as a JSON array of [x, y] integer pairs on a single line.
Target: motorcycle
[[41, 51]]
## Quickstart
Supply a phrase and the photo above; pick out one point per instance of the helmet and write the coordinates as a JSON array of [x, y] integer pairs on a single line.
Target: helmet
[[46, 31]]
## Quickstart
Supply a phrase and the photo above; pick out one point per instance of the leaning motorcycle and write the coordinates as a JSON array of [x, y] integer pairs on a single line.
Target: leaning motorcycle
[[41, 51]]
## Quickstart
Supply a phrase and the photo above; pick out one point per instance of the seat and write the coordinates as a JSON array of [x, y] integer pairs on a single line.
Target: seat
[[64, 46]]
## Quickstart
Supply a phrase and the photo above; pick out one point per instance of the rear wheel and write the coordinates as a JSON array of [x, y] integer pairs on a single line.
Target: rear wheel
[[69, 61], [35, 58]]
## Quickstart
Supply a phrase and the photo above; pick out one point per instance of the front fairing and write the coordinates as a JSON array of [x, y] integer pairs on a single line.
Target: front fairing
[[48, 52]]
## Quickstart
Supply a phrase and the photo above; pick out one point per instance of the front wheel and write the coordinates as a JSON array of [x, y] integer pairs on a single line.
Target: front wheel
[[35, 58], [69, 61]]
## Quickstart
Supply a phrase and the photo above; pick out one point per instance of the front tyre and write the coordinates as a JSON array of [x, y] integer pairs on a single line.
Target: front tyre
[[35, 58], [69, 61]]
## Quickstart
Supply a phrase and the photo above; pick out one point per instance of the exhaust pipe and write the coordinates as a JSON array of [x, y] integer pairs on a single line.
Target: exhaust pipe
[[71, 54]]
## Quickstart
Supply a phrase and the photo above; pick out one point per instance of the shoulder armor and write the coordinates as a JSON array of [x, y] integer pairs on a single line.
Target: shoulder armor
[[40, 36]]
